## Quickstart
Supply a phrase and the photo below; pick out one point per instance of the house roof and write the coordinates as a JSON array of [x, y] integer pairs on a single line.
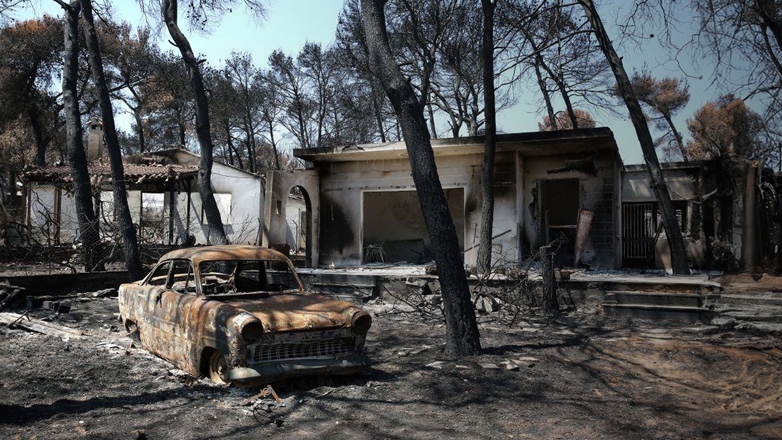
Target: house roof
[[156, 167], [134, 173], [690, 165], [185, 157], [541, 143]]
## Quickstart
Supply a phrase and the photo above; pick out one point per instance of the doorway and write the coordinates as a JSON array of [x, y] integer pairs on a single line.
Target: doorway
[[560, 201], [298, 218]]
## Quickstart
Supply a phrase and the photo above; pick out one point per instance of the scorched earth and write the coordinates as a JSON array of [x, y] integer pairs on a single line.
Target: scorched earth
[[580, 376]]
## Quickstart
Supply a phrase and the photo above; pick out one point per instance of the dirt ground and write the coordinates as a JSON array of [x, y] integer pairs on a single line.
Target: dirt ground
[[583, 376]]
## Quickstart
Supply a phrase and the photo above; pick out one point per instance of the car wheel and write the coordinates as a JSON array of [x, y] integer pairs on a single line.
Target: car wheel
[[218, 368]]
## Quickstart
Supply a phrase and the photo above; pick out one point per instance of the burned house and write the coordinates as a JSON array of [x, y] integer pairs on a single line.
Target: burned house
[[644, 243], [568, 189], [726, 208], [162, 195], [363, 206], [357, 204]]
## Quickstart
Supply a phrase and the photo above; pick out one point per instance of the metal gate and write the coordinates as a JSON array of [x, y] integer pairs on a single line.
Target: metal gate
[[638, 224]]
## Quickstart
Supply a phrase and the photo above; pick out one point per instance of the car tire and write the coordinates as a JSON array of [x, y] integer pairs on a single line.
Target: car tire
[[218, 368]]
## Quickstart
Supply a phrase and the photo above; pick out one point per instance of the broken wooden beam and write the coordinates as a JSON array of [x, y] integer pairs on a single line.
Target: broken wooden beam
[[11, 296], [38, 326]]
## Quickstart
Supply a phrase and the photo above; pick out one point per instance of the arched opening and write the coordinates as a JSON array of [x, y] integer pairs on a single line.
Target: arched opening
[[298, 234]]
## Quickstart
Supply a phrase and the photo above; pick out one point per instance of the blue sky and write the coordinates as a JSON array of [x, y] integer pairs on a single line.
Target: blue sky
[[290, 24]]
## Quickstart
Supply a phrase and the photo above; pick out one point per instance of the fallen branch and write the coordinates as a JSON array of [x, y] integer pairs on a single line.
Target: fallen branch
[[38, 326]]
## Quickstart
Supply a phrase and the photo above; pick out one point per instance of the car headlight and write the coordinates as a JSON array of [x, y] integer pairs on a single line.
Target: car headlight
[[248, 326], [252, 331], [361, 321]]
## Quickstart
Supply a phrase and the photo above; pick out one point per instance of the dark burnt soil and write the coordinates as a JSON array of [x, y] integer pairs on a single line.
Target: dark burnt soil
[[582, 376]]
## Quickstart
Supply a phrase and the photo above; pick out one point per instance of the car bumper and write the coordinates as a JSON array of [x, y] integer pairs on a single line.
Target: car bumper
[[266, 373]]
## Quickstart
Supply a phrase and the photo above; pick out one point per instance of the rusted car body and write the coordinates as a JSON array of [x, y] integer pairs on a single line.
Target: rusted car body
[[239, 314]]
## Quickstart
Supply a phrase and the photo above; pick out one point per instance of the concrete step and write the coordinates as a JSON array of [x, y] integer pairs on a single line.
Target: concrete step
[[764, 298], [678, 299], [660, 312], [750, 312], [759, 328], [695, 284], [353, 288]]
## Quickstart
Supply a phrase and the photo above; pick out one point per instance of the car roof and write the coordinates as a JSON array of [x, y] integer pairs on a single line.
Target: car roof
[[224, 252]]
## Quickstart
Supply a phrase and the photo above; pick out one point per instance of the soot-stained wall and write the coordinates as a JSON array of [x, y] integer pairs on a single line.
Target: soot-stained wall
[[349, 223], [362, 205], [394, 222], [598, 192]]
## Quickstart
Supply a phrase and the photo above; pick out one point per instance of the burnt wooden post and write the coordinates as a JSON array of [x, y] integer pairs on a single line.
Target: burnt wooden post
[[550, 305]]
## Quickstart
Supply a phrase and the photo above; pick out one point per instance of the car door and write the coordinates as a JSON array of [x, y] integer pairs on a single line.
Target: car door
[[141, 302], [173, 312], [165, 304]]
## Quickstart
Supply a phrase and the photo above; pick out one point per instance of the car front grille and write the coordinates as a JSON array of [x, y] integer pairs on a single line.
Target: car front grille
[[297, 350]]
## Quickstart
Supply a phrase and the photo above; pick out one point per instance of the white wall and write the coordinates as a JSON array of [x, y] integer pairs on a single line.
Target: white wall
[[238, 193], [682, 185], [44, 218], [239, 198]]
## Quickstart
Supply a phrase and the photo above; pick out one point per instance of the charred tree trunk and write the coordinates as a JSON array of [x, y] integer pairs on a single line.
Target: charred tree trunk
[[142, 147], [568, 104], [77, 158], [40, 141], [181, 128], [769, 12], [432, 128], [550, 304], [274, 148], [216, 232], [138, 113], [562, 87], [546, 96], [540, 63], [130, 243], [377, 107], [487, 172], [232, 150], [462, 338], [657, 181], [676, 135]]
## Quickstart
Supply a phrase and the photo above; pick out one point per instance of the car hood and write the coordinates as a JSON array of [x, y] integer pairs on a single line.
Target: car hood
[[283, 313]]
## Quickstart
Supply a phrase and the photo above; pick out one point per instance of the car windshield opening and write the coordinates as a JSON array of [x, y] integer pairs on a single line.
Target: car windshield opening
[[227, 277]]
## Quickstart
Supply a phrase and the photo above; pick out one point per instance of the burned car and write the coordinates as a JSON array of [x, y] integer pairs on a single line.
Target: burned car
[[239, 314]]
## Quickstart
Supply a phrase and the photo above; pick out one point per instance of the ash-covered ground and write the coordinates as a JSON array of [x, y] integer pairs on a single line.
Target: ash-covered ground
[[581, 376]]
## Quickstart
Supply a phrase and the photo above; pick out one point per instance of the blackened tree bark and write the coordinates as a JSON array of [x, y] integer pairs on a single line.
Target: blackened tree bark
[[545, 93], [490, 125], [657, 181], [77, 158], [550, 305], [555, 76], [130, 242], [41, 140], [462, 338], [216, 232], [676, 135], [137, 111]]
